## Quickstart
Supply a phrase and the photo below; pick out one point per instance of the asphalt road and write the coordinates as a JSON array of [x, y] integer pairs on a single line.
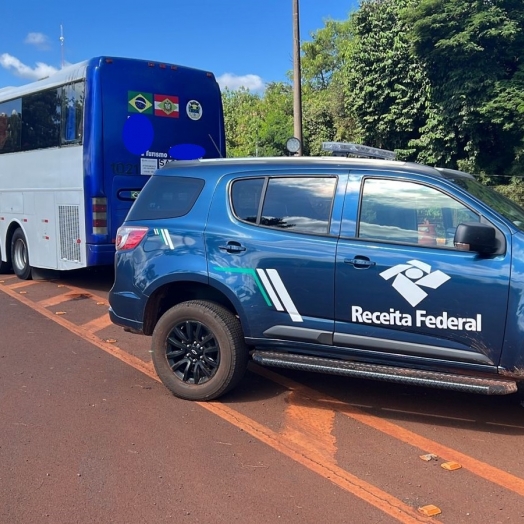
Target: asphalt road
[[88, 434]]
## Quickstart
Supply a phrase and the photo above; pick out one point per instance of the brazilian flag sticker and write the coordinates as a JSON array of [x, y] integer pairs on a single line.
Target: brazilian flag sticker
[[139, 102]]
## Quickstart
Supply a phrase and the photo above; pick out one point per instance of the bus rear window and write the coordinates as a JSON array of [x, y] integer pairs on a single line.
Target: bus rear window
[[166, 197]]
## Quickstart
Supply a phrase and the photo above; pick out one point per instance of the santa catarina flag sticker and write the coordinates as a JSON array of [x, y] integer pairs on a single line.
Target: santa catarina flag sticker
[[166, 105]]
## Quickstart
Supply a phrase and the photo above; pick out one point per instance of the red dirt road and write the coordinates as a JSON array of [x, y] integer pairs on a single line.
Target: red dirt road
[[87, 437]]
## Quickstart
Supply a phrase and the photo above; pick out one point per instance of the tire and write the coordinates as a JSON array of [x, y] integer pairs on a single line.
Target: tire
[[20, 256], [193, 371]]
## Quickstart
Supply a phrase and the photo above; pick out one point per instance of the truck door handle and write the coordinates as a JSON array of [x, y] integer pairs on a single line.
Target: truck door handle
[[232, 247], [360, 262]]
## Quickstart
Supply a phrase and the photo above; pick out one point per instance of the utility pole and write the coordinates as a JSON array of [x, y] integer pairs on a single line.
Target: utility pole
[[297, 79]]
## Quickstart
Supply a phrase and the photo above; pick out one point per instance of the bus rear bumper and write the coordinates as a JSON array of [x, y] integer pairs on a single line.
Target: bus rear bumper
[[100, 254]]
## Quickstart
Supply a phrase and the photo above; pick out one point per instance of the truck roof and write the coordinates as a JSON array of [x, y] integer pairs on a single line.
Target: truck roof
[[221, 165]]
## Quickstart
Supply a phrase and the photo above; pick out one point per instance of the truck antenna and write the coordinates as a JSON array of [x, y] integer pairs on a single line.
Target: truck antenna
[[62, 44]]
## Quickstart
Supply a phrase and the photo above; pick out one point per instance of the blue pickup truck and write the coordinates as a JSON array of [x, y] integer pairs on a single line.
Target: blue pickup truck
[[361, 267]]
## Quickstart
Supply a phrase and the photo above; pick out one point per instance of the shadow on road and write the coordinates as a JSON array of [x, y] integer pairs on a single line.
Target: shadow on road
[[494, 414]]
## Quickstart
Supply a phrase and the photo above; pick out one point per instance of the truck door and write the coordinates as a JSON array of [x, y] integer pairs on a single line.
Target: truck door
[[403, 290], [271, 248]]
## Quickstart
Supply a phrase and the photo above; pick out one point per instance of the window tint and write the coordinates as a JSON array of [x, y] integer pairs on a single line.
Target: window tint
[[245, 197], [72, 113], [41, 119], [299, 204], [166, 197], [506, 207], [399, 211], [10, 126]]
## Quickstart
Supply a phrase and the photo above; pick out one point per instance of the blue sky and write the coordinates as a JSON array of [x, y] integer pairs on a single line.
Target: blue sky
[[243, 42]]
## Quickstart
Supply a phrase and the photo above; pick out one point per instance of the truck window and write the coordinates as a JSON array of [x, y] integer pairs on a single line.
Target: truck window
[[299, 204], [406, 212]]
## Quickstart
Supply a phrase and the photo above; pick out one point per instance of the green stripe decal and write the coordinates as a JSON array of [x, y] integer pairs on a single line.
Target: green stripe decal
[[247, 271]]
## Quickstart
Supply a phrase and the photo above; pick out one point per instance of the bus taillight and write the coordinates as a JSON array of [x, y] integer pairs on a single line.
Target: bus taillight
[[99, 215]]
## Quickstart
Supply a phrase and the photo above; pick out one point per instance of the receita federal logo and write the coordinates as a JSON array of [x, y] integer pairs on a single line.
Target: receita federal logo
[[410, 280], [412, 277]]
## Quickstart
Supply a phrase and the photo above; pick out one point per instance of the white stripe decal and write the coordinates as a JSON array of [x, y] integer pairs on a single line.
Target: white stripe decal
[[270, 290], [284, 296], [168, 239]]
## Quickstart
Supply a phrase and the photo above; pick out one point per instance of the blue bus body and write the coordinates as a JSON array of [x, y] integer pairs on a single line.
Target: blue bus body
[[112, 123], [117, 170]]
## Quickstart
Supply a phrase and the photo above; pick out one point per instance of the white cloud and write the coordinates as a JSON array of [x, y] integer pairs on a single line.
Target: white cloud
[[37, 39], [233, 82], [41, 70]]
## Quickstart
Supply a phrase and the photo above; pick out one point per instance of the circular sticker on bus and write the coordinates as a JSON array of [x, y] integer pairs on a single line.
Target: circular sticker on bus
[[194, 110]]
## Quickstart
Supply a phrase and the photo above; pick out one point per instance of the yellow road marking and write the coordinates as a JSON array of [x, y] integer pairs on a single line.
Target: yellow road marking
[[23, 283], [97, 324], [477, 467], [54, 301], [343, 479], [303, 439], [144, 367]]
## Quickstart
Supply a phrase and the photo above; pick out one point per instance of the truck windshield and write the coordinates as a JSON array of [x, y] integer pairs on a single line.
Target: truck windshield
[[498, 202]]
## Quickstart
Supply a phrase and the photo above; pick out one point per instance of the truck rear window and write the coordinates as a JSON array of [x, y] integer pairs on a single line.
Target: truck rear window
[[166, 197]]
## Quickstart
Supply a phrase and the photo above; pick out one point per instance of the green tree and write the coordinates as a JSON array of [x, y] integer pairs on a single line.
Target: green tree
[[242, 118], [472, 51], [325, 116], [258, 125], [276, 119], [386, 87]]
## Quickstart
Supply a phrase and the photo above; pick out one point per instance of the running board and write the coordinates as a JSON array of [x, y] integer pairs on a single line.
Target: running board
[[486, 386]]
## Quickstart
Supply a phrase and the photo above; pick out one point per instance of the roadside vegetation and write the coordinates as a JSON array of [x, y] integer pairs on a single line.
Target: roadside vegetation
[[441, 82]]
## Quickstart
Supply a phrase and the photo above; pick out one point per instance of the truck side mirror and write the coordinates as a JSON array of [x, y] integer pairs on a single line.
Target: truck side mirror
[[474, 236]]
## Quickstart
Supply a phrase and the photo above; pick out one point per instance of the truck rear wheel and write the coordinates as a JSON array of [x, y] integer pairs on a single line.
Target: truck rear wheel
[[198, 350]]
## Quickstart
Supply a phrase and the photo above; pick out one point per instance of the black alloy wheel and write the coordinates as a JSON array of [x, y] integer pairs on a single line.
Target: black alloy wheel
[[198, 350], [192, 352]]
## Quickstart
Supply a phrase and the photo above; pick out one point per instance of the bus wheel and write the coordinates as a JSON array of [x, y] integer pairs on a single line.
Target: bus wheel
[[20, 256], [198, 350]]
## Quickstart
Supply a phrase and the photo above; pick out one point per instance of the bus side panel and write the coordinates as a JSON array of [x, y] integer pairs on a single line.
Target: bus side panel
[[100, 250], [49, 209]]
